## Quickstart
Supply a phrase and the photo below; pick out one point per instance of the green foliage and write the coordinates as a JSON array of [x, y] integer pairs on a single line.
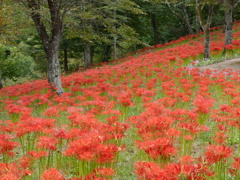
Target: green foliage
[[15, 64]]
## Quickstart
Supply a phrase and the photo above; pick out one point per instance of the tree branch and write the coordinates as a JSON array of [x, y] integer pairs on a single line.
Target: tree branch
[[175, 13], [34, 11]]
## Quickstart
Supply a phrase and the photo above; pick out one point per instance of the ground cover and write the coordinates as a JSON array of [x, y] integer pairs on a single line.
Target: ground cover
[[151, 116]]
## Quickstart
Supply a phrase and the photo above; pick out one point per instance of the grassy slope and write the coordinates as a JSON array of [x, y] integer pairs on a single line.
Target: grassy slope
[[136, 91]]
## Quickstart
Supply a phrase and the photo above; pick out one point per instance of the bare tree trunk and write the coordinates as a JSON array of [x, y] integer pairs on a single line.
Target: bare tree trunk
[[155, 30], [207, 42], [228, 21], [197, 25], [54, 71], [106, 53], [87, 55], [187, 20], [50, 41], [205, 26]]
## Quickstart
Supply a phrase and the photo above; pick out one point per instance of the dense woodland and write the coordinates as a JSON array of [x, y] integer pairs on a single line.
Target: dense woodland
[[52, 37]]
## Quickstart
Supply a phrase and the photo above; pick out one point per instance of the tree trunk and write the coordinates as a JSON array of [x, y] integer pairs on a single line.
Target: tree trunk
[[54, 71], [205, 26], [197, 25], [50, 38], [87, 55], [184, 18], [228, 21], [187, 20], [155, 30], [207, 42], [107, 53], [65, 62], [1, 83]]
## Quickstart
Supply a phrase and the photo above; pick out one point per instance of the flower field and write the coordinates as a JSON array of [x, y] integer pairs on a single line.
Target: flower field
[[150, 116]]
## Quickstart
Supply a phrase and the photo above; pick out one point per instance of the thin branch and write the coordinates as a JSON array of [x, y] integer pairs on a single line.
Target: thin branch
[[175, 13]]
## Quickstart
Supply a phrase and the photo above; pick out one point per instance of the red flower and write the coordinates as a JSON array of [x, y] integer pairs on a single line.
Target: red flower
[[217, 153], [37, 155], [105, 171], [47, 142], [236, 163], [25, 162], [187, 159], [5, 144], [203, 104], [52, 174], [9, 176]]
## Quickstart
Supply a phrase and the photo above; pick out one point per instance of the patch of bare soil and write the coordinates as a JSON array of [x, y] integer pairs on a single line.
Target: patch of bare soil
[[233, 64]]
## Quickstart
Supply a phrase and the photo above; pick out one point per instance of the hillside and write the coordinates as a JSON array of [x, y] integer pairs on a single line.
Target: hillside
[[151, 115]]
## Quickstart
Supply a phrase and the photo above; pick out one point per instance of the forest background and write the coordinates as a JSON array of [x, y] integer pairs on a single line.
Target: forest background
[[45, 38]]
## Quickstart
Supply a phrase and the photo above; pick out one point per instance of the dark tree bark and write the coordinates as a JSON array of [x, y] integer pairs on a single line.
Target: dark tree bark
[[155, 29], [106, 55], [228, 17], [51, 40], [205, 26], [197, 25], [87, 55]]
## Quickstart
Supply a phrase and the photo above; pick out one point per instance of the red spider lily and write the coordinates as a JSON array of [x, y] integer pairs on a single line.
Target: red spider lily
[[18, 109], [188, 137], [151, 171], [159, 147], [6, 145], [83, 148], [59, 133], [187, 159], [46, 142], [167, 101], [9, 176], [52, 174], [184, 115], [52, 111], [156, 123], [32, 124], [125, 98], [225, 108], [105, 171], [173, 132], [25, 162], [203, 104], [27, 99], [236, 163], [85, 121], [88, 146], [8, 126], [220, 137], [189, 171], [11, 171], [45, 99], [106, 153], [222, 127], [229, 47], [215, 153], [37, 155], [193, 128]]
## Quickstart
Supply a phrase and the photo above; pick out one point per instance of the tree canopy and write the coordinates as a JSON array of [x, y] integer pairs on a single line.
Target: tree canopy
[[72, 34]]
